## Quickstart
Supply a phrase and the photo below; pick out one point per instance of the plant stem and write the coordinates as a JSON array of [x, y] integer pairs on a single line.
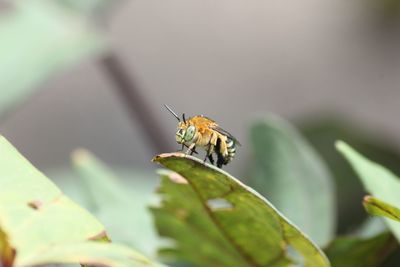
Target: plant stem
[[134, 102]]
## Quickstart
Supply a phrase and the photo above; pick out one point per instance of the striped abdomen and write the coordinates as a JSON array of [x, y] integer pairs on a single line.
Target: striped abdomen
[[225, 158], [231, 147]]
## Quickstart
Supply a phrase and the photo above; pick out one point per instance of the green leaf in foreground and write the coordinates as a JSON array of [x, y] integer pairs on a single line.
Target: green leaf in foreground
[[94, 253], [377, 180], [43, 226], [293, 177], [377, 207], [120, 206], [38, 39], [218, 221], [361, 252]]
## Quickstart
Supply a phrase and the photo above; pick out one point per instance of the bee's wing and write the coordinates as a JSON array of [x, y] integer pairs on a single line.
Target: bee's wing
[[224, 132]]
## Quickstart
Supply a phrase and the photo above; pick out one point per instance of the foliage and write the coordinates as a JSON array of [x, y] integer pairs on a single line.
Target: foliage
[[88, 7], [322, 134], [377, 207], [233, 224], [121, 207], [293, 177], [377, 180], [210, 218], [41, 226], [361, 252], [40, 38]]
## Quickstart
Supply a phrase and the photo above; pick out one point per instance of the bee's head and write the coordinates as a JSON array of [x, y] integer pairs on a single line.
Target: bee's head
[[185, 133]]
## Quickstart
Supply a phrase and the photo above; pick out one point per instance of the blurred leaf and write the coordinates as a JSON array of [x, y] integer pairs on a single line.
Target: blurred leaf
[[369, 246], [94, 253], [38, 39], [293, 177], [377, 180], [387, 14], [377, 207], [372, 227], [88, 7], [227, 223], [322, 134], [43, 225], [121, 208], [361, 252]]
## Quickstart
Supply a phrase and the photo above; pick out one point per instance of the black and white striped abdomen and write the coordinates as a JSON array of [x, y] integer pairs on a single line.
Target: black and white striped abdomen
[[231, 147]]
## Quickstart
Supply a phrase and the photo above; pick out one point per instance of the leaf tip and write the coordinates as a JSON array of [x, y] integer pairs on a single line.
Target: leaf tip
[[340, 145], [80, 155], [367, 200]]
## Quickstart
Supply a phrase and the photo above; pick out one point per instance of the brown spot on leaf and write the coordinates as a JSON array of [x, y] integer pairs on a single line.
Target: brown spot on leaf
[[7, 253], [102, 236], [35, 204], [181, 214], [158, 158]]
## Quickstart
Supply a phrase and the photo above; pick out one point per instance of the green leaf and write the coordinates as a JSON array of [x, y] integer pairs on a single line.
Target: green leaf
[[361, 252], [372, 226], [377, 180], [38, 39], [120, 206], [322, 132], [293, 177], [377, 207], [42, 225], [88, 7], [93, 253], [218, 221]]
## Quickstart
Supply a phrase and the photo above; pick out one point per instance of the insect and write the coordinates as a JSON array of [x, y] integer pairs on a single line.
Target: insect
[[205, 133]]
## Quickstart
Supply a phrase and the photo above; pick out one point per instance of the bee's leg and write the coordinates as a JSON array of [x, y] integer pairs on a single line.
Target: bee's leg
[[220, 160], [209, 155], [210, 158], [183, 146], [220, 157], [191, 149]]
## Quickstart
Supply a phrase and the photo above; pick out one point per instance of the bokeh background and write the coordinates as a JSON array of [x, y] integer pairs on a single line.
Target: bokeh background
[[229, 60], [331, 67]]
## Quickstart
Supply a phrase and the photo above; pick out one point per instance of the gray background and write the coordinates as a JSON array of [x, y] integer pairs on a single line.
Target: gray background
[[231, 60]]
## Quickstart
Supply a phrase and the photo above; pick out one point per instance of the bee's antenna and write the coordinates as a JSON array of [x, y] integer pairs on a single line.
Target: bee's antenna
[[183, 117], [173, 113]]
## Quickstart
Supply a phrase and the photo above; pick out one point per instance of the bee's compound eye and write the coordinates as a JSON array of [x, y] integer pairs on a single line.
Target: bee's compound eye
[[190, 132], [180, 133], [180, 136]]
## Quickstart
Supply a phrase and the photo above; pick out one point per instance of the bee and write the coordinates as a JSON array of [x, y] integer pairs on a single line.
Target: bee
[[200, 131]]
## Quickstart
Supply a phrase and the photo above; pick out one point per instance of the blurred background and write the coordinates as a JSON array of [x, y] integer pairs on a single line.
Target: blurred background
[[229, 60], [68, 69]]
